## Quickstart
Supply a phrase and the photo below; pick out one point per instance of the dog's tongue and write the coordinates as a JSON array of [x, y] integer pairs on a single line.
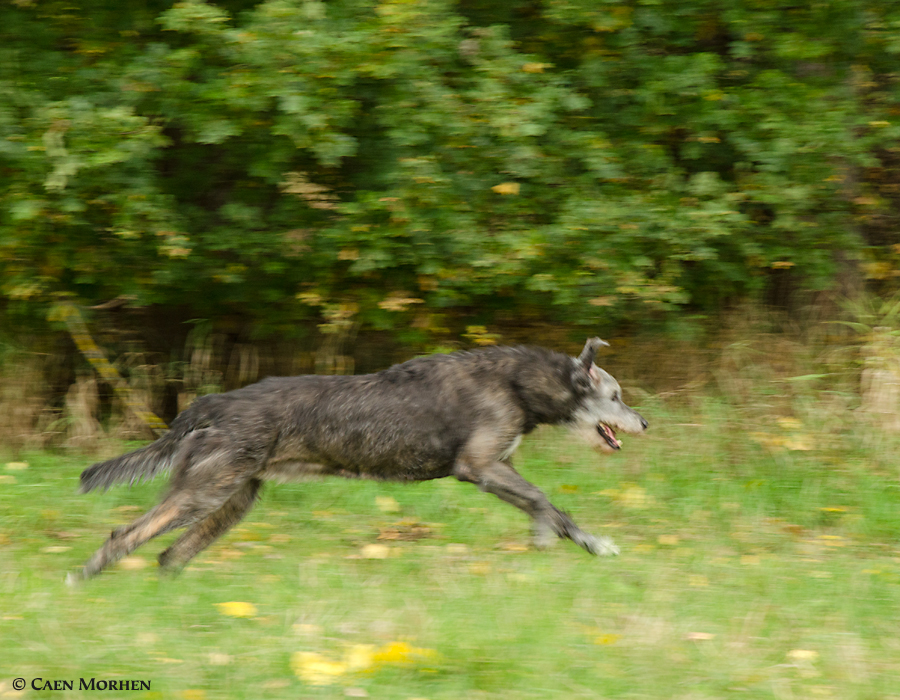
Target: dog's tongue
[[609, 435]]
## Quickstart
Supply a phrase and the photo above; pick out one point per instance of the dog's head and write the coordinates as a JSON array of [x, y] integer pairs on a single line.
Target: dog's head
[[601, 411]]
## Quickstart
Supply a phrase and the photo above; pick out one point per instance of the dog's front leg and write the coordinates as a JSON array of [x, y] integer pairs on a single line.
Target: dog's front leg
[[507, 484]]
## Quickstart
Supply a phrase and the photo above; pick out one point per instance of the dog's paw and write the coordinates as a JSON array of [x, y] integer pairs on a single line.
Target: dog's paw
[[599, 546], [73, 580]]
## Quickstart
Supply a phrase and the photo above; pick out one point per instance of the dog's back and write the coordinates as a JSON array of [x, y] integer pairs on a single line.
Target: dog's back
[[408, 422]]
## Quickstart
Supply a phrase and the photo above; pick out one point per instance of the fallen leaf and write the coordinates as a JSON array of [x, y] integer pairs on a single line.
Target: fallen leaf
[[359, 657], [506, 188], [407, 530], [699, 636], [133, 563], [375, 551], [237, 609], [480, 568], [517, 547], [635, 497], [802, 655], [16, 466], [803, 443], [789, 423], [401, 653], [316, 669], [386, 504], [606, 639]]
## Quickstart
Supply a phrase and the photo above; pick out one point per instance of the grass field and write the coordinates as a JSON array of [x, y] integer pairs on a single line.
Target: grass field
[[759, 565]]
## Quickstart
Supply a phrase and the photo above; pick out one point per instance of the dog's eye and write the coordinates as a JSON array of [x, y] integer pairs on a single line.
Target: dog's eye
[[616, 396]]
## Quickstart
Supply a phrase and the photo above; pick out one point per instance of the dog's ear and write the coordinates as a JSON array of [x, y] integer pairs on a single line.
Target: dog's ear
[[586, 358]]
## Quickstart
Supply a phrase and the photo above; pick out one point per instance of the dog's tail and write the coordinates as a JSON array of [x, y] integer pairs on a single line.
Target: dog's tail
[[144, 463], [152, 460]]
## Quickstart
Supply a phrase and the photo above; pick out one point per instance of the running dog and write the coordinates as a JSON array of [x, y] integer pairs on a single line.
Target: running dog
[[460, 415]]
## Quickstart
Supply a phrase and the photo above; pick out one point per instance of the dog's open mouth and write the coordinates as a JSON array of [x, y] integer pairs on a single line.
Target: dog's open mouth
[[608, 434]]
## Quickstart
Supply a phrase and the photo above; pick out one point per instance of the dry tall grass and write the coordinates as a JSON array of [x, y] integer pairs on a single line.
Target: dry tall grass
[[828, 374]]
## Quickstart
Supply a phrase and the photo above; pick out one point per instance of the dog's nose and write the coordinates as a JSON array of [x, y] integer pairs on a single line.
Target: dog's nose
[[644, 423]]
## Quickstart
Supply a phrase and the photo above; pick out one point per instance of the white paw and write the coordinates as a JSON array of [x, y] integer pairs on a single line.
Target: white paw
[[601, 546]]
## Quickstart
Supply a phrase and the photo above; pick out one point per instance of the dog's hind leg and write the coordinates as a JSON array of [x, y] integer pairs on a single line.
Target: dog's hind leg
[[208, 530], [194, 495], [506, 483], [168, 515]]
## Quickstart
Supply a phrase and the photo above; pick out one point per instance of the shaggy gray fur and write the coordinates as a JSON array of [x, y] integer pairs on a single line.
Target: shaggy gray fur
[[460, 414]]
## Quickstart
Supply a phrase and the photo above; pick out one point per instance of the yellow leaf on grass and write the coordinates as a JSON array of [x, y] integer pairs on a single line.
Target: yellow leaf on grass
[[635, 497], [133, 563], [386, 504], [789, 423], [375, 551], [16, 466], [802, 655], [193, 694], [802, 443], [699, 636], [237, 609], [605, 639], [401, 653], [480, 568], [359, 657], [506, 188], [316, 669]]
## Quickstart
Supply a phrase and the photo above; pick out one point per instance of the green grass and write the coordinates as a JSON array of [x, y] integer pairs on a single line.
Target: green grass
[[746, 571]]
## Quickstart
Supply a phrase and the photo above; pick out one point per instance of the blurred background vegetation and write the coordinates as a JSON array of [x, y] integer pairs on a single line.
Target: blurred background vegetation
[[244, 188]]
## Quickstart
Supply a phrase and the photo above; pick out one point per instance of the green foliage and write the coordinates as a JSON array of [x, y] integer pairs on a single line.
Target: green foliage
[[407, 160]]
